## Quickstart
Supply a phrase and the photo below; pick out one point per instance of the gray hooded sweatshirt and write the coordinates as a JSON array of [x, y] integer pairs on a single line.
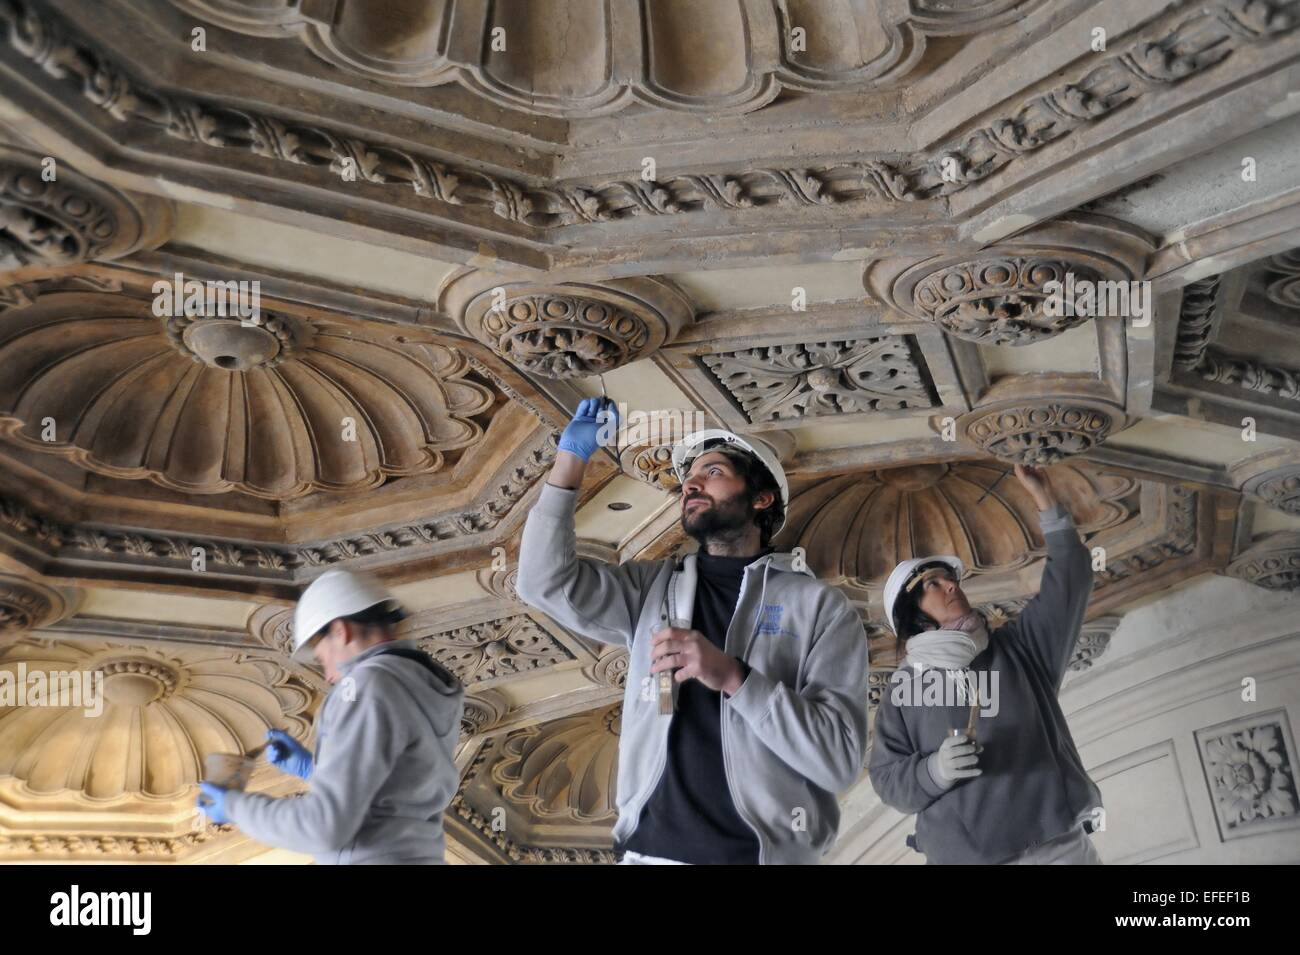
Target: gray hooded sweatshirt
[[1034, 787], [384, 768], [795, 733]]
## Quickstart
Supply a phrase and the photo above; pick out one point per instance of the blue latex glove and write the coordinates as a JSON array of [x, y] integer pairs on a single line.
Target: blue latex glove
[[212, 800], [579, 436], [288, 755]]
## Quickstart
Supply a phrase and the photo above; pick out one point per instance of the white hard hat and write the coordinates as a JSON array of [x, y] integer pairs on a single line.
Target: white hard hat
[[692, 446], [903, 573], [334, 594]]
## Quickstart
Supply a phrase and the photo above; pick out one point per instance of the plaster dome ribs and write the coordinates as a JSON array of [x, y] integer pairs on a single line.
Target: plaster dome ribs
[[724, 56], [206, 405], [855, 528], [164, 710]]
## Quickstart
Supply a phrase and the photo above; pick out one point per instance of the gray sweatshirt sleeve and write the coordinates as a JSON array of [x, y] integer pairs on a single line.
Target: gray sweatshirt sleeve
[[1049, 625], [362, 740], [598, 600], [819, 730], [900, 775]]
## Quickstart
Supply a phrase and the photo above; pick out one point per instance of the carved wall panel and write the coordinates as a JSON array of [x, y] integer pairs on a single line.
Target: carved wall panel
[[807, 379], [857, 527], [570, 329], [276, 407], [600, 56], [50, 215], [1250, 770]]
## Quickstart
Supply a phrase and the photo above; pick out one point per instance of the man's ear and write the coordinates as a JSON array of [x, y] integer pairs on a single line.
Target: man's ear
[[763, 500]]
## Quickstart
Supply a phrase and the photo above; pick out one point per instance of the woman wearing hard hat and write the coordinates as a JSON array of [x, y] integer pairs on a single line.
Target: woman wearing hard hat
[[384, 768], [970, 735]]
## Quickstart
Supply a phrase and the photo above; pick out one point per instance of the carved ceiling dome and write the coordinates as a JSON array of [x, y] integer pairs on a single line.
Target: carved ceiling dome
[[163, 711], [566, 768], [857, 527], [276, 407], [584, 57]]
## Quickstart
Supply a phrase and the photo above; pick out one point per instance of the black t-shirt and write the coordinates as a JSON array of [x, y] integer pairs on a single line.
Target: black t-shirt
[[691, 817]]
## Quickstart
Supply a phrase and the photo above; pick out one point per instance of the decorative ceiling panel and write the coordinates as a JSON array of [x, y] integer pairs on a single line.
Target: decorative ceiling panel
[[585, 57]]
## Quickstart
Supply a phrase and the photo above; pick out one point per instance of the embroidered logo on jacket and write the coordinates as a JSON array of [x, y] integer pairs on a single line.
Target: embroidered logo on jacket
[[769, 619]]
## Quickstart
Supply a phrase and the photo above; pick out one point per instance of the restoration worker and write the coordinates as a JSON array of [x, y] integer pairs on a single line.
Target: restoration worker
[[1017, 792], [769, 664], [384, 768]]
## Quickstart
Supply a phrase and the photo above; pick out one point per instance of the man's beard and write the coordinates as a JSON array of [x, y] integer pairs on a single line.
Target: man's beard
[[725, 520]]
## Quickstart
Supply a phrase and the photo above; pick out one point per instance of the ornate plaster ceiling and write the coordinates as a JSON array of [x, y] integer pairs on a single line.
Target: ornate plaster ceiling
[[840, 241]]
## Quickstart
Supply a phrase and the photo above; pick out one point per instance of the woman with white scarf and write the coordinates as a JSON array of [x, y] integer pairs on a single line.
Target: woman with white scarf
[[970, 735]]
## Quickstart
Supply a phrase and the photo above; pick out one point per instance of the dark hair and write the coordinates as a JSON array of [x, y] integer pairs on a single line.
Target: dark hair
[[757, 479], [380, 615], [909, 618]]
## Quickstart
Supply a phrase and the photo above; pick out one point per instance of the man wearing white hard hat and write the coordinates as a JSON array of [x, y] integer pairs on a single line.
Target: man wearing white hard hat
[[970, 735], [384, 767], [768, 664]]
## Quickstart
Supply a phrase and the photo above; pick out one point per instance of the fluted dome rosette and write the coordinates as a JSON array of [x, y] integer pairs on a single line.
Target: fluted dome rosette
[[164, 709], [207, 405], [856, 528]]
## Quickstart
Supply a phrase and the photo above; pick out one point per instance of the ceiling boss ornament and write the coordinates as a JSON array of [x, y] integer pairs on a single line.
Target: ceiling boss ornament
[[1043, 284], [52, 216], [567, 330], [1041, 432]]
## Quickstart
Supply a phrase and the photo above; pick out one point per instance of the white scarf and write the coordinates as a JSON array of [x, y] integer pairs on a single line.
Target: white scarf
[[951, 650]]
